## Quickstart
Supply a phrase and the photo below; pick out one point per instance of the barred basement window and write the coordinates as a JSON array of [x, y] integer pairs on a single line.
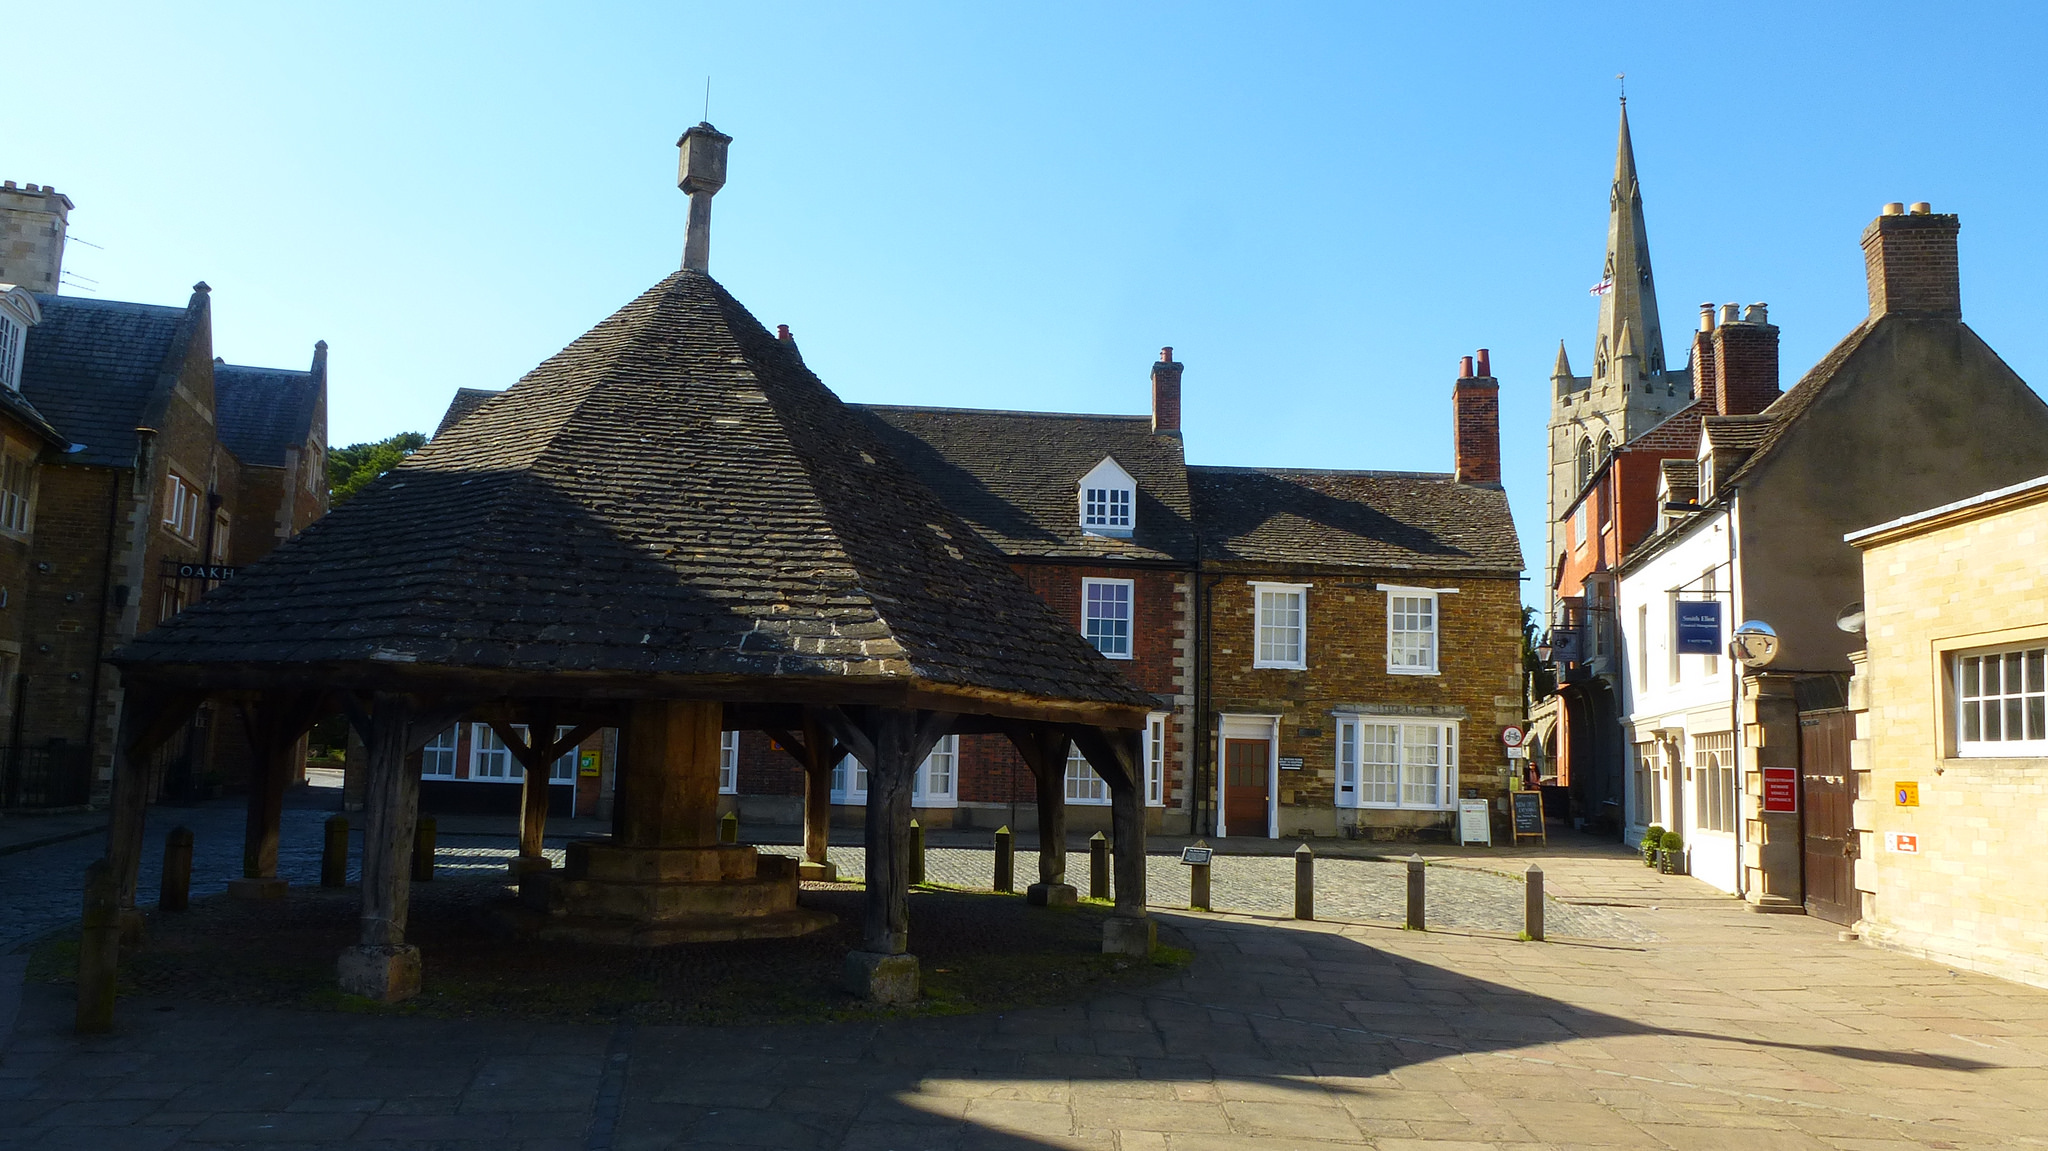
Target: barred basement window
[[2002, 702]]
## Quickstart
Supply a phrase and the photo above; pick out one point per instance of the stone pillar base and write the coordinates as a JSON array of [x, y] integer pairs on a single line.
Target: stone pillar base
[[385, 974], [521, 864], [1051, 895], [267, 887], [827, 872], [1127, 935], [884, 980]]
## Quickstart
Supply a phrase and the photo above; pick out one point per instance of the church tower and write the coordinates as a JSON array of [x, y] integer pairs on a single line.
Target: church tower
[[1631, 389]]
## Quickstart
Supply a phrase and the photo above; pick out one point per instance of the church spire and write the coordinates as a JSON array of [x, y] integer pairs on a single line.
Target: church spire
[[1629, 299]]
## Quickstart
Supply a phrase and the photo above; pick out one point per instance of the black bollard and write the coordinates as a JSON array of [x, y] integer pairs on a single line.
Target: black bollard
[[1098, 866], [176, 892], [423, 850], [1006, 860], [1304, 883], [729, 828], [1532, 908], [334, 853], [1198, 881], [1415, 881], [916, 852], [99, 950]]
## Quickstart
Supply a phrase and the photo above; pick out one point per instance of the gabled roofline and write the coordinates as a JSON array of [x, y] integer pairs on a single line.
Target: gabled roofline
[[2021, 494]]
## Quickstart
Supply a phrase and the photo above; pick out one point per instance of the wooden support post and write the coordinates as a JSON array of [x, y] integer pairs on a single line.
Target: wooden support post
[[423, 846], [99, 950], [148, 718], [916, 853], [1304, 883], [175, 893], [273, 724], [668, 778], [334, 852], [1114, 753], [1045, 752], [536, 750], [382, 966], [1532, 903], [892, 743], [533, 806], [1098, 866]]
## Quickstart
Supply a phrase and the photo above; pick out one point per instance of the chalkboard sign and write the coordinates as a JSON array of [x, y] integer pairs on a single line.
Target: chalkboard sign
[[1529, 814]]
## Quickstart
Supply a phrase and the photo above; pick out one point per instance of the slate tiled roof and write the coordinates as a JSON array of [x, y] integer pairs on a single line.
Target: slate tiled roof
[[1682, 477], [16, 405], [91, 367], [1395, 520], [1015, 476], [466, 400], [262, 412], [1739, 433], [674, 493]]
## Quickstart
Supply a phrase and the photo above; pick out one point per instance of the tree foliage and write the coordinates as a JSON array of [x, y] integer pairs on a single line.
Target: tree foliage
[[350, 469]]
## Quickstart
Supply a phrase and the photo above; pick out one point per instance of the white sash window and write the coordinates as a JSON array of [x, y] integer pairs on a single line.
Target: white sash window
[[1397, 762], [936, 784]]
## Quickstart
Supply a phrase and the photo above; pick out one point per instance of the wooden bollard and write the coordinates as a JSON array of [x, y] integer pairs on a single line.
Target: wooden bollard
[[423, 850], [1532, 906], [1198, 881], [99, 950], [1098, 866], [176, 892], [1006, 860], [1304, 883], [1415, 896], [334, 853], [729, 828], [916, 852]]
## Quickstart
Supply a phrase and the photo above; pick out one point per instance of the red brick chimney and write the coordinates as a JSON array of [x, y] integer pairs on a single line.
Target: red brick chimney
[[1166, 395], [1910, 259], [1475, 422], [1745, 361], [1705, 388]]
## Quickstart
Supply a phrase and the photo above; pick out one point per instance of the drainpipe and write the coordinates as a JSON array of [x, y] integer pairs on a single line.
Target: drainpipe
[[1735, 704], [99, 642], [1203, 774]]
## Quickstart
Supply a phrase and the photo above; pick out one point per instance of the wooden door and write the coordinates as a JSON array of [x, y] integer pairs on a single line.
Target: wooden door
[[1244, 786], [1826, 792]]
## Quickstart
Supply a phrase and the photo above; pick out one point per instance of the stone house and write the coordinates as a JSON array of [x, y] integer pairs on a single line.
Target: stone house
[[176, 468], [1911, 407], [1950, 759]]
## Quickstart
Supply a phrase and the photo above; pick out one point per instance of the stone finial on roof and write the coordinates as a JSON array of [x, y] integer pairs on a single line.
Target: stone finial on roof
[[1563, 370]]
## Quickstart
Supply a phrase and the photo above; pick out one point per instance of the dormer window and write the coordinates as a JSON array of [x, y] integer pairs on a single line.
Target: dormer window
[[18, 313], [1109, 500]]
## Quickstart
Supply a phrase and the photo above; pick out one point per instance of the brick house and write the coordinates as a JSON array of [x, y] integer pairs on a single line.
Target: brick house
[[174, 466], [1362, 639]]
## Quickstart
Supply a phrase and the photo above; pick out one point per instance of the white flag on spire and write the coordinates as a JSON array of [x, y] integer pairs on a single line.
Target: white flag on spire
[[1602, 288]]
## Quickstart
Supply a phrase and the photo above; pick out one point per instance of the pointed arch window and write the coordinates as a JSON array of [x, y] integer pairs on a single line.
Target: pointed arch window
[[1585, 462], [1606, 447]]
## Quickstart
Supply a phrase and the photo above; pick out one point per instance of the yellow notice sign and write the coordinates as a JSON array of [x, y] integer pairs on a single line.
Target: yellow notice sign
[[1906, 794], [586, 763]]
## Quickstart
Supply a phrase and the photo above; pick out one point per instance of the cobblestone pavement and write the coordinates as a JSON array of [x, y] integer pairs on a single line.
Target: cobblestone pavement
[[1346, 889], [1729, 1031]]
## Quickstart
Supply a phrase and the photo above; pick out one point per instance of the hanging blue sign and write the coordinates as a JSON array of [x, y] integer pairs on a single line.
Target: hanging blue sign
[[1699, 627]]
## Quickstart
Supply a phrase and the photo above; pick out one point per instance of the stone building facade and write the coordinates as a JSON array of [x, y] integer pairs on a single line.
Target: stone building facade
[[1951, 756]]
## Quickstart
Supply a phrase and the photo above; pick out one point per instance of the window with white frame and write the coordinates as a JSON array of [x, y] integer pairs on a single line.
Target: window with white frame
[[1106, 615], [1109, 500], [2001, 701], [1411, 631], [17, 478], [437, 759], [1397, 762], [11, 335], [1645, 780], [1281, 622], [1155, 759], [563, 769], [1083, 785], [489, 758], [728, 762], [181, 505], [1713, 780], [936, 783]]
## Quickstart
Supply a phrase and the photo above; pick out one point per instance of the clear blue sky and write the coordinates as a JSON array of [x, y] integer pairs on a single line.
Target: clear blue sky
[[1321, 207]]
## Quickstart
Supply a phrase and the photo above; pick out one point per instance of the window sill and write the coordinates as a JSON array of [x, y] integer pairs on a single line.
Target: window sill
[[1391, 670], [1114, 655], [1257, 664]]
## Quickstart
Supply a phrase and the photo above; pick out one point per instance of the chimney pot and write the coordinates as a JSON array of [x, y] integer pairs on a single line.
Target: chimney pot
[[1921, 208], [1484, 367], [782, 332], [1910, 262], [1166, 394], [1895, 208], [1464, 367], [1758, 313], [1707, 316], [1731, 313]]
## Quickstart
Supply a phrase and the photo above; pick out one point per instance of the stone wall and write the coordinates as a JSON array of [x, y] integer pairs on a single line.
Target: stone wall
[[1975, 893], [1479, 683]]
